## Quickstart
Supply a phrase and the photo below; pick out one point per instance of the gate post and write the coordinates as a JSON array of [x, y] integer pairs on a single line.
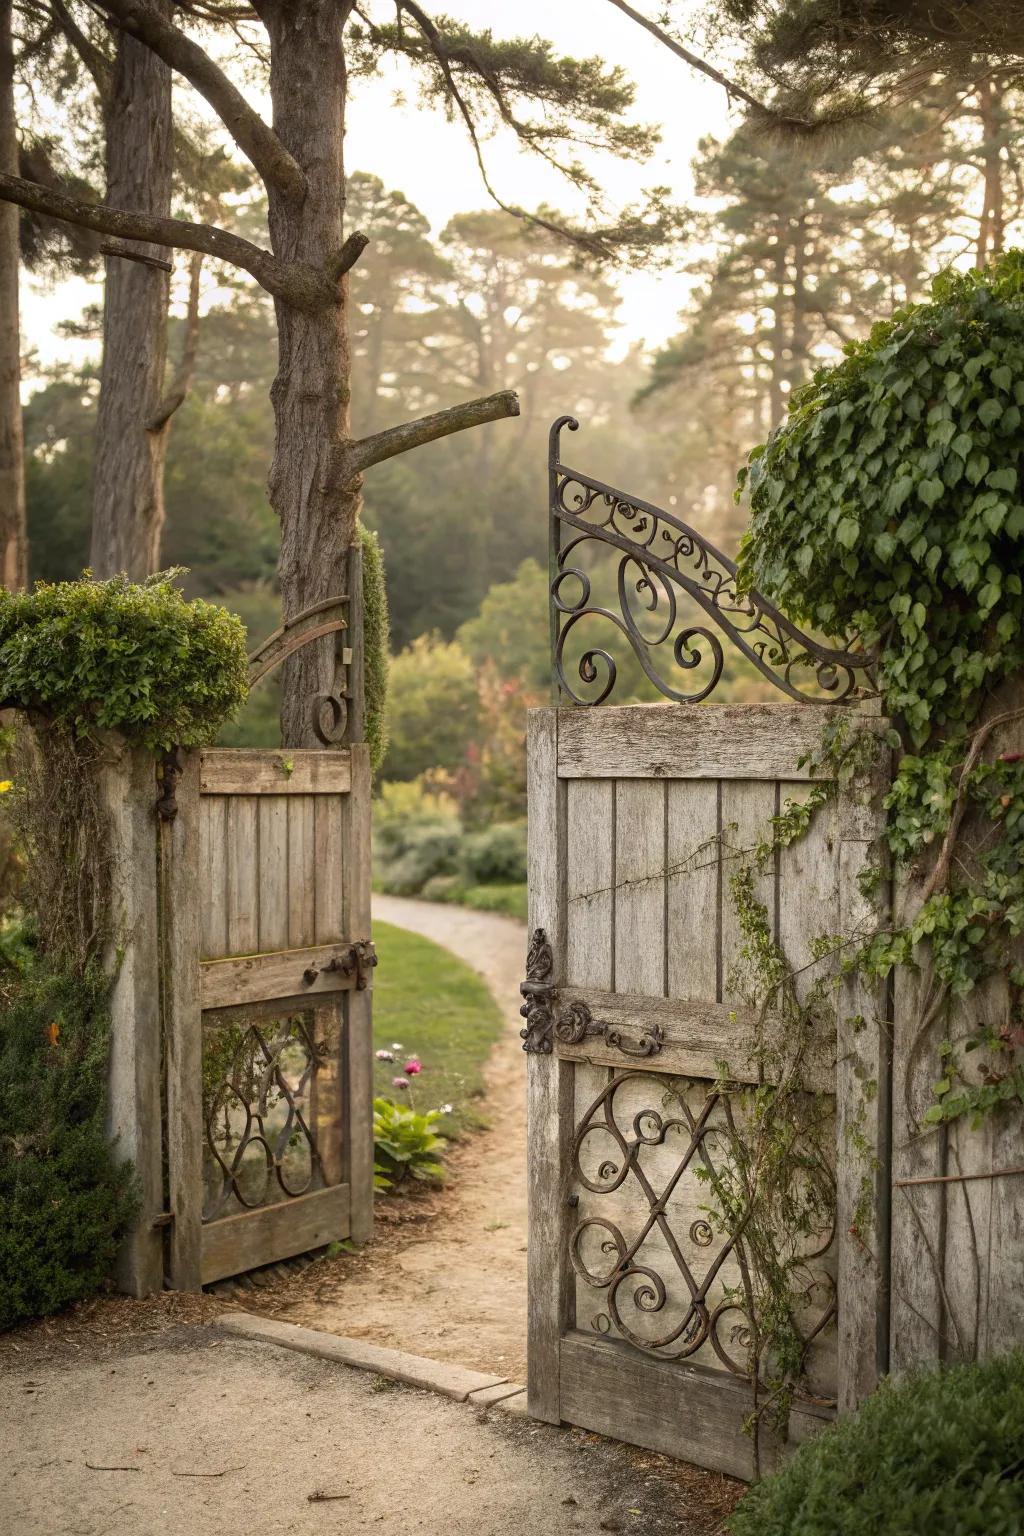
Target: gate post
[[128, 792]]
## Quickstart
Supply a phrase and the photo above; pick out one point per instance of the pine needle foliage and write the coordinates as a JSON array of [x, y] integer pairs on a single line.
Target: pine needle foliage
[[66, 1195]]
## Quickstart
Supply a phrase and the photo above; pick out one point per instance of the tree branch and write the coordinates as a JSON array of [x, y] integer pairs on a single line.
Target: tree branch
[[699, 64], [427, 429], [349, 254], [255, 138], [182, 383], [304, 287]]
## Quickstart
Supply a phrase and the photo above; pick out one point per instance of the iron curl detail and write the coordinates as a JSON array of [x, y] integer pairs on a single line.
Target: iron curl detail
[[661, 558]]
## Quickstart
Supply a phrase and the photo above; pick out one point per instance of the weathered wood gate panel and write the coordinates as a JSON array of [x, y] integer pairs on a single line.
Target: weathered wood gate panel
[[267, 963], [635, 1000]]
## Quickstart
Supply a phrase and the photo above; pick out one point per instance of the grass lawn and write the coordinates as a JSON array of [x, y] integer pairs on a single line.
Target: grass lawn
[[440, 1011]]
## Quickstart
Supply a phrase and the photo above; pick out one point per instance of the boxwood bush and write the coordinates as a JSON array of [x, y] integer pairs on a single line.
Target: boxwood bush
[[941, 1453]]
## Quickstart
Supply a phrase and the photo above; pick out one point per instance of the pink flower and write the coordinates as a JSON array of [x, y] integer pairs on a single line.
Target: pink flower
[[400, 1082], [413, 1066]]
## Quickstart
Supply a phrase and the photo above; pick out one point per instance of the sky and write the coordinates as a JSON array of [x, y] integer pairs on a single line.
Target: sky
[[431, 161]]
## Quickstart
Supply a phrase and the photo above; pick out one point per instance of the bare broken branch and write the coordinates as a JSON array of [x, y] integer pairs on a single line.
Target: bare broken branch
[[428, 429], [128, 253], [255, 138], [182, 382], [349, 254], [299, 284]]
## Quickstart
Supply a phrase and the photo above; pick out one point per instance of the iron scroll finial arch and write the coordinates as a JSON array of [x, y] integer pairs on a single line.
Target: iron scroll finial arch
[[661, 557]]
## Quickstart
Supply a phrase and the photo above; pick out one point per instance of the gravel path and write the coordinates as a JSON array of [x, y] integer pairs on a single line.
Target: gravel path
[[446, 1275], [198, 1434]]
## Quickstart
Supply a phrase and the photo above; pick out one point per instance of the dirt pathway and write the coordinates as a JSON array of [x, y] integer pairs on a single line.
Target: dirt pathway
[[446, 1274]]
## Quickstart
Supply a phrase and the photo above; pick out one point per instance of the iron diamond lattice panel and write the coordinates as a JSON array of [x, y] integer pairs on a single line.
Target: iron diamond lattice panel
[[271, 1105], [653, 1260]]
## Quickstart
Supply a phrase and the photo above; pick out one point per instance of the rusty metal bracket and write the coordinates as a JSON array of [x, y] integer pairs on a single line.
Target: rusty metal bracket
[[538, 993], [576, 1023], [357, 960]]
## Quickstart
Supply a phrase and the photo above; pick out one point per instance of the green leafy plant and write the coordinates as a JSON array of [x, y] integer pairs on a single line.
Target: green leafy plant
[[66, 1194], [116, 656], [891, 504], [406, 1146], [376, 642], [940, 1452]]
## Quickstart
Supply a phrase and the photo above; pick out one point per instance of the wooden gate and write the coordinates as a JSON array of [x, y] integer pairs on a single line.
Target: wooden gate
[[266, 927], [635, 1329]]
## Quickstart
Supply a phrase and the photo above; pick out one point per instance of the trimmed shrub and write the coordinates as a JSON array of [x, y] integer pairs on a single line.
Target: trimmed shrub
[[116, 656], [495, 856], [941, 1453], [412, 854]]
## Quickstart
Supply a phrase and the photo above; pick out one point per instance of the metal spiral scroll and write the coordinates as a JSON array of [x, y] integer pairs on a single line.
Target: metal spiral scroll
[[628, 1274], [658, 555]]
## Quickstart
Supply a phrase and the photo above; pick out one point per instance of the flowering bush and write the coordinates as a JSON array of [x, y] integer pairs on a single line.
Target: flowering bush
[[406, 1145]]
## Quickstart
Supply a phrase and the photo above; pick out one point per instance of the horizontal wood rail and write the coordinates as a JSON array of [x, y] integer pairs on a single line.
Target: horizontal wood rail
[[237, 1243], [297, 973], [241, 771]]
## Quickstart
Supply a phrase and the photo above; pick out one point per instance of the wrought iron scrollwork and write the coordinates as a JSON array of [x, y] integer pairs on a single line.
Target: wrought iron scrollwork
[[576, 1023], [658, 1283], [537, 990], [260, 1140], [661, 558]]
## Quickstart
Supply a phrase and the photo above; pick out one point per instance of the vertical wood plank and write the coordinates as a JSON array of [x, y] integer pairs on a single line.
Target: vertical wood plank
[[128, 790], [863, 1101], [180, 944], [355, 810], [1004, 1299], [917, 1326], [213, 875], [273, 872], [549, 1083], [590, 865], [243, 894], [692, 918], [329, 868], [747, 808], [808, 890], [301, 871], [640, 887]]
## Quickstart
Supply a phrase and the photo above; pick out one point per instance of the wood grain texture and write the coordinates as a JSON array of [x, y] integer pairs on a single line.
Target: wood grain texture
[[549, 1084], [128, 791], [685, 1412], [864, 1101], [589, 874], [640, 887], [181, 867], [301, 812], [238, 1243], [747, 810], [692, 919], [258, 771], [684, 741], [272, 872], [329, 869], [258, 978], [243, 892], [697, 1036], [213, 876]]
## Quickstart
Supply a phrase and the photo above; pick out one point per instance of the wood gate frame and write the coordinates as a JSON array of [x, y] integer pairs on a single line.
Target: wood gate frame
[[242, 877], [583, 1015]]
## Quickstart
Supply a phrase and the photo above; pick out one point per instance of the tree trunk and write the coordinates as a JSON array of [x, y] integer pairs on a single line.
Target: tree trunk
[[991, 226], [13, 540], [127, 487], [776, 394], [311, 394]]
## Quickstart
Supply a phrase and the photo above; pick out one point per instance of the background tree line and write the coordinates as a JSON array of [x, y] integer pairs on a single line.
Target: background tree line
[[790, 253]]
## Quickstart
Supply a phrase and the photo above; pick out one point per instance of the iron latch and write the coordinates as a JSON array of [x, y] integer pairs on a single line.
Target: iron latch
[[575, 1023], [357, 960]]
